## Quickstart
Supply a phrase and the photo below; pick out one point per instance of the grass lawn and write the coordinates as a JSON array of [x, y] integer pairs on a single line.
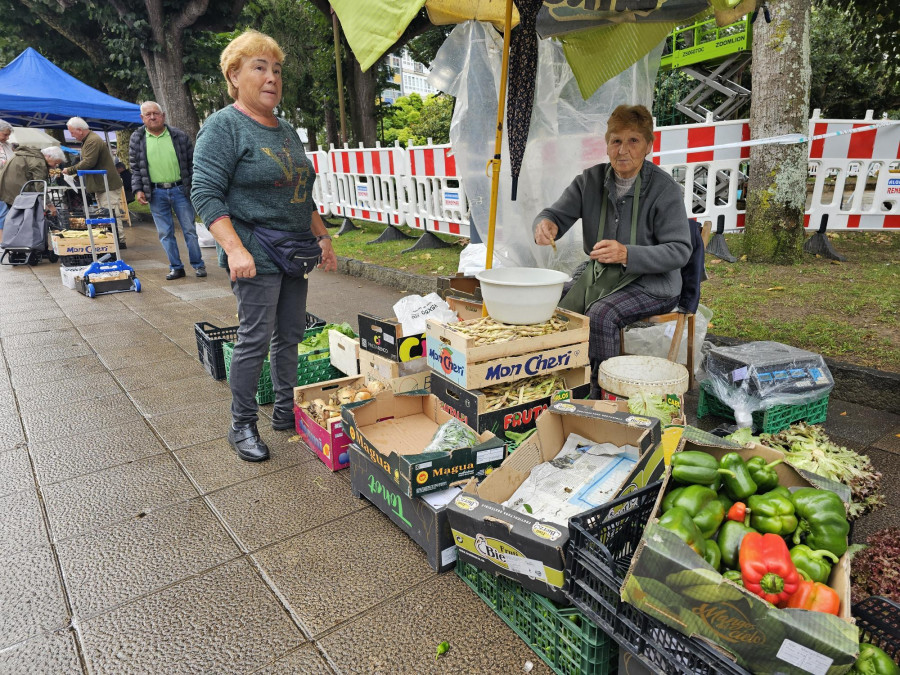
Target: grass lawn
[[847, 311]]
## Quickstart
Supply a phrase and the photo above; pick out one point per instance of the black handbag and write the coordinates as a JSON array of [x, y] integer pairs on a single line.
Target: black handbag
[[294, 253]]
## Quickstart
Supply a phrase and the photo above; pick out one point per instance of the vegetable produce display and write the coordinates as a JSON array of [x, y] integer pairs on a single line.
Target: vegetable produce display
[[319, 340], [486, 331], [874, 661], [875, 570], [451, 435], [777, 543], [654, 405], [505, 395], [808, 447], [323, 411]]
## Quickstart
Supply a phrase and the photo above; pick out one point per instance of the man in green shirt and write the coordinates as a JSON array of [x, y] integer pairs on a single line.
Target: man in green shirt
[[162, 163]]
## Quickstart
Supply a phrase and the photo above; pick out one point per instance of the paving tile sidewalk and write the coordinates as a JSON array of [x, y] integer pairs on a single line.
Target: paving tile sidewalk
[[133, 541]]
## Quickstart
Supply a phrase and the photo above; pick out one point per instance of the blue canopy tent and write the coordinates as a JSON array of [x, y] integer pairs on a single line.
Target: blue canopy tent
[[35, 93]]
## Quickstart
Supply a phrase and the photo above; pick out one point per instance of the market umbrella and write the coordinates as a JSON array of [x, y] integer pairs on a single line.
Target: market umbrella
[[34, 138]]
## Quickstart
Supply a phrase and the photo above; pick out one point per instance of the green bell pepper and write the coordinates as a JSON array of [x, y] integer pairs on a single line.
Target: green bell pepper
[[678, 521], [693, 467], [781, 490], [713, 555], [735, 576], [813, 563], [737, 480], [772, 513], [763, 474], [699, 501], [823, 520], [730, 537], [873, 661]]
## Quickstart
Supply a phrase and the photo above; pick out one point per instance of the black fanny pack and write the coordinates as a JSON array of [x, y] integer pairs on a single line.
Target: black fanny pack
[[294, 253]]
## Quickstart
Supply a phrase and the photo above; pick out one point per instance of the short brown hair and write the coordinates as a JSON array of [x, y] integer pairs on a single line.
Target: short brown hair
[[247, 44], [635, 117]]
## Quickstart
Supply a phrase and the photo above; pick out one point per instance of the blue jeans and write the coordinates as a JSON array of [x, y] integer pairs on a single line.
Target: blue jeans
[[162, 203], [4, 208]]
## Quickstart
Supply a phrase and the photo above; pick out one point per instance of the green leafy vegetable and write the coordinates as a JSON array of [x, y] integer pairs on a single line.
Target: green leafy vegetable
[[653, 405], [320, 340], [743, 436], [442, 648], [874, 570], [451, 435], [519, 437], [808, 447]]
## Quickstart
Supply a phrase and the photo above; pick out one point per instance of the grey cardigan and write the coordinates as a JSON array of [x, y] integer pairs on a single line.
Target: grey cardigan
[[663, 237]]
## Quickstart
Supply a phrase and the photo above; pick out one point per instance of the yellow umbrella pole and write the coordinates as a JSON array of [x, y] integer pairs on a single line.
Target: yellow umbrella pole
[[498, 142]]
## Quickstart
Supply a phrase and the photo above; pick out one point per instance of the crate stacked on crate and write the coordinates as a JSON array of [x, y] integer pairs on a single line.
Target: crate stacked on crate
[[601, 545], [878, 620], [772, 383], [499, 377], [561, 636]]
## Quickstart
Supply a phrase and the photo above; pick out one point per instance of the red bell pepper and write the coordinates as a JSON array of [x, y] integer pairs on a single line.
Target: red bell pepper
[[816, 597], [738, 512], [766, 567]]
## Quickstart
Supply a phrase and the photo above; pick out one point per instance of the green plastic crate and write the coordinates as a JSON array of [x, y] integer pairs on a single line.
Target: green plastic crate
[[312, 367], [562, 636], [769, 421]]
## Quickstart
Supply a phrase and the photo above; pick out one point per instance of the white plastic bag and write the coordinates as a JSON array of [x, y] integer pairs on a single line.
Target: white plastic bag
[[204, 238], [655, 340], [473, 259], [413, 310]]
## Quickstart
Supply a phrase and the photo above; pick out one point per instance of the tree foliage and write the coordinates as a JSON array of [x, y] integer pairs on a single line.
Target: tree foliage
[[849, 72], [417, 119]]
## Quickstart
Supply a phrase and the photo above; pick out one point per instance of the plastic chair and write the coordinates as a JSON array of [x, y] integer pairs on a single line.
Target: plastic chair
[[680, 318]]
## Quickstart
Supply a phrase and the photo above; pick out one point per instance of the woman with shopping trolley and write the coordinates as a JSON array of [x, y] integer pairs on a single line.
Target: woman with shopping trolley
[[252, 188]]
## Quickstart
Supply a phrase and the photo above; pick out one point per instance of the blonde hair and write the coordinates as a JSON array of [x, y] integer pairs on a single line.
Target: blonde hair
[[247, 44], [635, 117]]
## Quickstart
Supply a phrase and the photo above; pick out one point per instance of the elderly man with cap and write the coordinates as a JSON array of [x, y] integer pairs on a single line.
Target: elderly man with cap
[[94, 157]]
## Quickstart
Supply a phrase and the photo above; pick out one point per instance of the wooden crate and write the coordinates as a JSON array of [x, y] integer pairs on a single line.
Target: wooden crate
[[459, 359]]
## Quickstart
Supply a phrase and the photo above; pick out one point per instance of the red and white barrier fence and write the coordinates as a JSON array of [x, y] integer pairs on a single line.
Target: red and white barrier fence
[[854, 164]]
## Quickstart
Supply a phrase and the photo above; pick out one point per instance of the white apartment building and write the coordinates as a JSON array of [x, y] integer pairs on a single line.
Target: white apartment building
[[409, 77]]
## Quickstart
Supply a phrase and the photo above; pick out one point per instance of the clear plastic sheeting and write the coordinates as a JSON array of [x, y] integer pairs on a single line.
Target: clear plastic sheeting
[[656, 339], [758, 375], [566, 136]]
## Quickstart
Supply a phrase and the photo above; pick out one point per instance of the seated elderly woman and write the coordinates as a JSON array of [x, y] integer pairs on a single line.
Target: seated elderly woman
[[635, 232], [27, 164]]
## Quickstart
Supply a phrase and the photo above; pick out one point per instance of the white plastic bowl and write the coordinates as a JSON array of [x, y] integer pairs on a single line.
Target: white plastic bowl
[[521, 295]]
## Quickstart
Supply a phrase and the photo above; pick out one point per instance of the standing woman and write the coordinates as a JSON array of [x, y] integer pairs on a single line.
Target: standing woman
[[6, 148], [252, 177]]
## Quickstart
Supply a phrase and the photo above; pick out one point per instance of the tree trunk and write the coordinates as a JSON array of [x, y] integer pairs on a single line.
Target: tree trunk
[[780, 105], [332, 134], [362, 104], [311, 135], [174, 96]]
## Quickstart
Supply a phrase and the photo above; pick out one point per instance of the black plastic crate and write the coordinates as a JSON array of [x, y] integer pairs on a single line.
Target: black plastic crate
[[602, 542], [210, 339], [878, 620], [81, 260]]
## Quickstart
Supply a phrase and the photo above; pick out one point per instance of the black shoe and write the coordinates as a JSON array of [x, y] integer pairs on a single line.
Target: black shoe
[[175, 274], [122, 245], [283, 424], [247, 443], [201, 272]]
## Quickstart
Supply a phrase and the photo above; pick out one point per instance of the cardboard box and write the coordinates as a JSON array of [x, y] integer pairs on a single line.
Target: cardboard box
[[460, 286], [673, 584], [427, 526], [395, 429], [469, 407], [523, 548], [343, 352], [460, 360], [399, 377], [82, 245], [329, 442], [71, 275], [385, 338]]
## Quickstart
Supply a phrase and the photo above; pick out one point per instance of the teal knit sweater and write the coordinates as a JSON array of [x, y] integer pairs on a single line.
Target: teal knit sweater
[[254, 174]]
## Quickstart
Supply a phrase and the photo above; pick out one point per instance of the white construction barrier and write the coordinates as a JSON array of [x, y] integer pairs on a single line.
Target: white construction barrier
[[856, 177]]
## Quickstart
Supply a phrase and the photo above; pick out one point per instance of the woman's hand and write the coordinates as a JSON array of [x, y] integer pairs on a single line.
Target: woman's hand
[[241, 264], [329, 259], [545, 233], [610, 251]]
